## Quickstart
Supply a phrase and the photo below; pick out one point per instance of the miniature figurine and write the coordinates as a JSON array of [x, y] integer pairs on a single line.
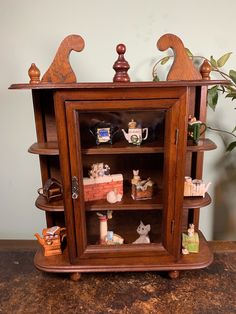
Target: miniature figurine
[[141, 189], [195, 187], [143, 234], [52, 190], [51, 240], [99, 170], [113, 239], [194, 129], [108, 237], [103, 227], [135, 133], [101, 182], [190, 241], [104, 132], [113, 197]]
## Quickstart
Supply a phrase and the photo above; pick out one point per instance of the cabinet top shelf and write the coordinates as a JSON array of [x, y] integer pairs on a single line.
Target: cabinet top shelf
[[112, 85]]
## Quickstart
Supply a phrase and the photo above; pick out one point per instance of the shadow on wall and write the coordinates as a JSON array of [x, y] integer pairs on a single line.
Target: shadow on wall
[[224, 224]]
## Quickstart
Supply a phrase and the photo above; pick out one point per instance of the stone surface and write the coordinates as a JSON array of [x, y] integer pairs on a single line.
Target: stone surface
[[23, 289]]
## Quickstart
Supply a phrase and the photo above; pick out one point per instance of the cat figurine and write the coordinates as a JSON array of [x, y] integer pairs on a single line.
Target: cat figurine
[[143, 234]]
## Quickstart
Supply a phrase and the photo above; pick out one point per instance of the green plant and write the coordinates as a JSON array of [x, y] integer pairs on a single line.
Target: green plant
[[229, 89]]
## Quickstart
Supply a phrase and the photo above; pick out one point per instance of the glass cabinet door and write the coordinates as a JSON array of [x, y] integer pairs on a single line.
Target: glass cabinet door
[[127, 176]]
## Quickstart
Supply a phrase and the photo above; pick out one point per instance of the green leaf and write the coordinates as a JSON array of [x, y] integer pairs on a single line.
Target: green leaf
[[234, 130], [231, 95], [223, 88], [229, 88], [156, 78], [213, 62], [189, 53], [223, 59], [164, 60], [232, 75], [212, 97], [231, 146]]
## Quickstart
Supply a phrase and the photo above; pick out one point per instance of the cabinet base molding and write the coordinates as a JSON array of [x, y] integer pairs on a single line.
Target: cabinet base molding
[[61, 263]]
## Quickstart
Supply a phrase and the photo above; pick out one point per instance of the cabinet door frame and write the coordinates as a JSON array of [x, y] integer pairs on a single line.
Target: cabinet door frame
[[174, 161]]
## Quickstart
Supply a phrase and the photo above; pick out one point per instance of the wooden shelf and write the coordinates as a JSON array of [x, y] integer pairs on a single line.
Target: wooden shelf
[[145, 148], [122, 147], [204, 144], [48, 148], [161, 262], [56, 206], [127, 203], [155, 203], [51, 148], [120, 85]]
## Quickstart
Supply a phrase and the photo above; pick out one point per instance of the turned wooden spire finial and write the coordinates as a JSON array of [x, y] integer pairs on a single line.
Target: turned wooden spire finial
[[34, 74], [205, 70], [121, 66]]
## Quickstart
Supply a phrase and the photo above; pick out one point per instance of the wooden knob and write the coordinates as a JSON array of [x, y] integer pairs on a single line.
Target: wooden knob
[[34, 74], [205, 70], [121, 66]]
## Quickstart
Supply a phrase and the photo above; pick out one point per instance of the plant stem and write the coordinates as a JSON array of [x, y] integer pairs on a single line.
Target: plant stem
[[222, 131]]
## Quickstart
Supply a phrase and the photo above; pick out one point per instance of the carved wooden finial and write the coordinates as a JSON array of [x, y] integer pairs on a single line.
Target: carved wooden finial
[[121, 66], [182, 67], [205, 70], [60, 71], [34, 74]]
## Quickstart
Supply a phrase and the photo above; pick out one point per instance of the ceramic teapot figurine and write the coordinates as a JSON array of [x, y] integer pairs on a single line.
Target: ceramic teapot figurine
[[51, 240], [103, 132], [195, 129], [195, 187], [135, 133]]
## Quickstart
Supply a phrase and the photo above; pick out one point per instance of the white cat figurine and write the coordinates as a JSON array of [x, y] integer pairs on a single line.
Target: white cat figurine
[[143, 234]]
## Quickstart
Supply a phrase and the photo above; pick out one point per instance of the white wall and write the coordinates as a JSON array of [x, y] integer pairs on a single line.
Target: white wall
[[31, 31]]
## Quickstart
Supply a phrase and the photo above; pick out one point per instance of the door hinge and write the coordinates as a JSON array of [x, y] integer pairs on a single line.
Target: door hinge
[[176, 136], [172, 227], [75, 188]]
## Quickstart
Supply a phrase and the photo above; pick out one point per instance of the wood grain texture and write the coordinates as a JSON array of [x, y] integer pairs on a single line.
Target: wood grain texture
[[149, 263], [60, 71], [108, 85], [182, 67], [63, 112]]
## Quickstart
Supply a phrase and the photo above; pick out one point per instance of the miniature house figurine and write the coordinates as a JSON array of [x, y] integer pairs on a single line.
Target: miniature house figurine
[[135, 133], [101, 182], [107, 237], [52, 190], [195, 129], [51, 240], [190, 241], [141, 189], [195, 187], [143, 234]]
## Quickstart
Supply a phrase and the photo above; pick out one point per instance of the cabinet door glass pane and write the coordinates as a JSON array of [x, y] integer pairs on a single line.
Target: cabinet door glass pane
[[122, 163]]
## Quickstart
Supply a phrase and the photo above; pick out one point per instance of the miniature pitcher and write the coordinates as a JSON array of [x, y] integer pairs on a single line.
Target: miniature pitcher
[[195, 129]]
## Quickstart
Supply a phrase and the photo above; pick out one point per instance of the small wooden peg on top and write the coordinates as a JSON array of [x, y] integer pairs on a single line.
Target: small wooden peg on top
[[34, 74], [205, 70], [121, 66]]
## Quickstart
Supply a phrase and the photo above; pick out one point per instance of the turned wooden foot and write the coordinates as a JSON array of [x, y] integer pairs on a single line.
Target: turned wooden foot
[[75, 276], [173, 274]]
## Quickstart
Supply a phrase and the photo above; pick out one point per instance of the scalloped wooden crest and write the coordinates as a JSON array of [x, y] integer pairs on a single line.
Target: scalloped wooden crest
[[182, 67], [60, 71]]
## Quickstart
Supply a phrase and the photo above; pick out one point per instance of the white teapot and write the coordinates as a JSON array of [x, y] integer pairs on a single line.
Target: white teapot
[[135, 134]]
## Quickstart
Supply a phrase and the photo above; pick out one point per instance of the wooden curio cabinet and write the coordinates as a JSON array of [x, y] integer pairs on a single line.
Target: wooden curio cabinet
[[65, 114]]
